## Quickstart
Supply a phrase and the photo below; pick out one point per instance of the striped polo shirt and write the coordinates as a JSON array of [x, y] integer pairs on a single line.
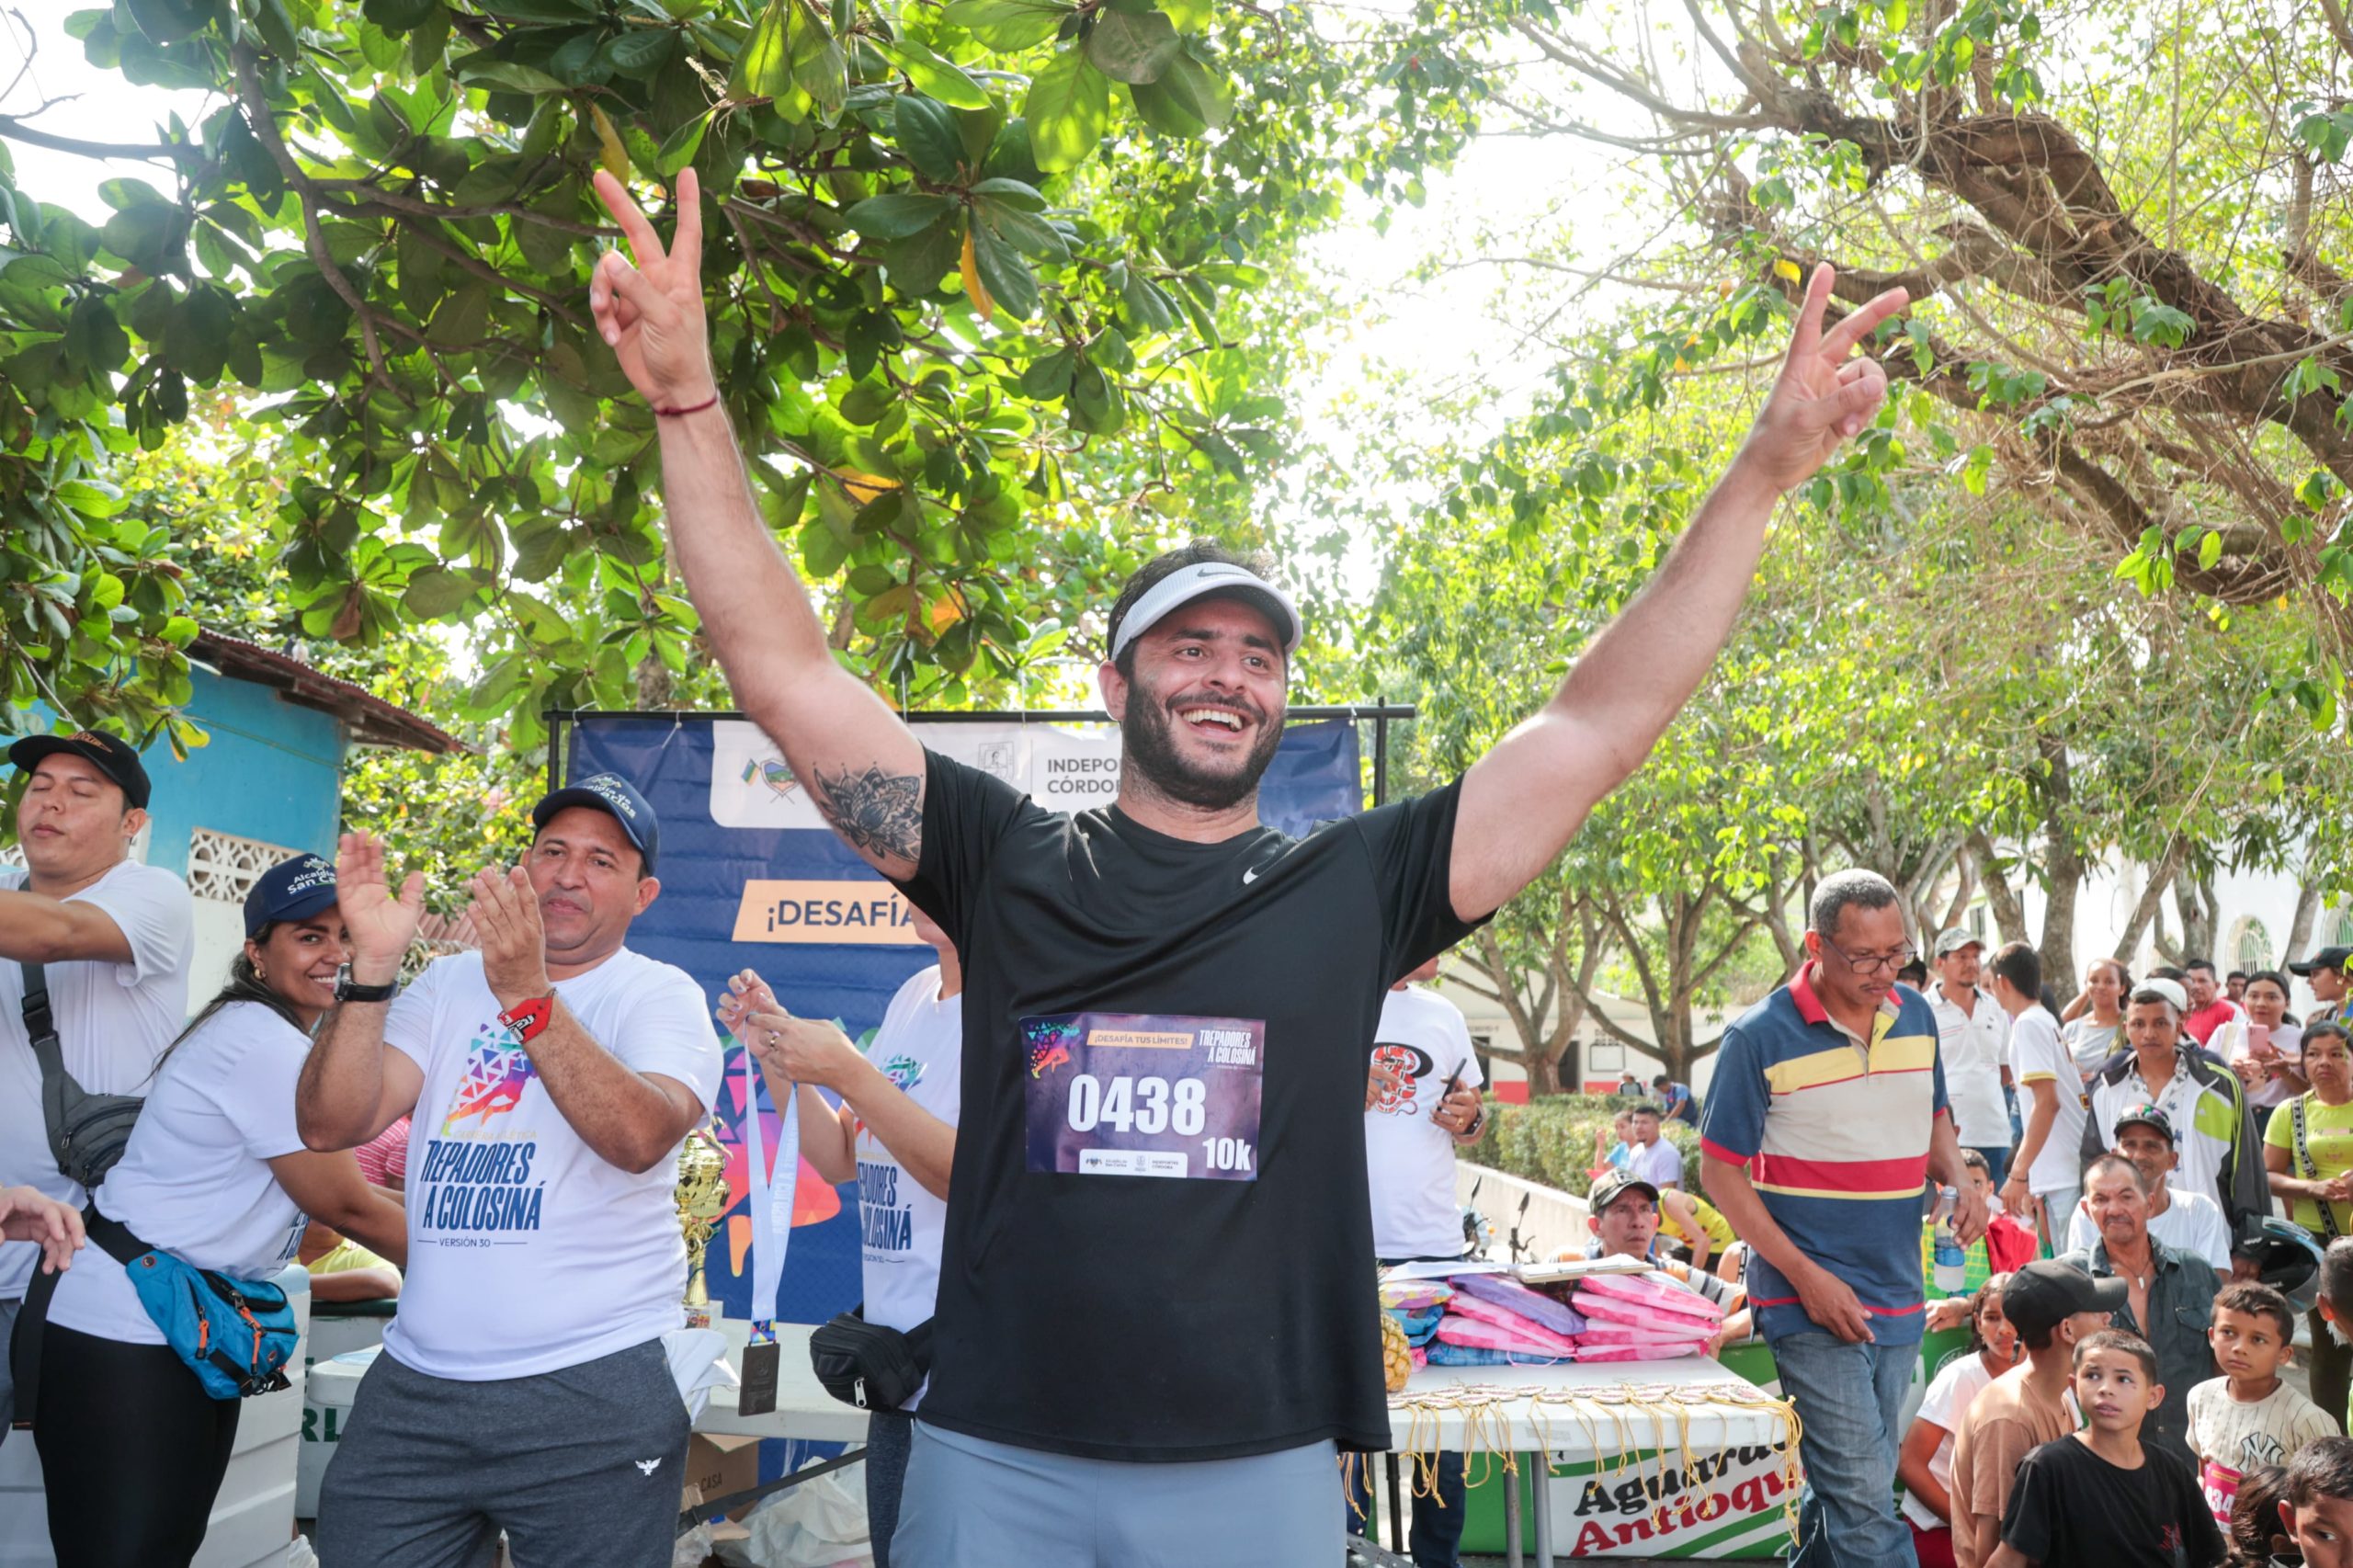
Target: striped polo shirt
[[1836, 1134]]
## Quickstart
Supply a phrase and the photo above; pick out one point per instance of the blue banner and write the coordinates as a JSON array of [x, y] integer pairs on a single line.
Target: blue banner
[[752, 878]]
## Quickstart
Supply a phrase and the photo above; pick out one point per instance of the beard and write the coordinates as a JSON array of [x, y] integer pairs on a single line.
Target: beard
[[1149, 735]]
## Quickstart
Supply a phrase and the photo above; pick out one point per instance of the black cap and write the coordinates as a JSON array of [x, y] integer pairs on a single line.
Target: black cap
[[291, 890], [108, 754], [1612, 1185], [2044, 1294], [2327, 957], [617, 798]]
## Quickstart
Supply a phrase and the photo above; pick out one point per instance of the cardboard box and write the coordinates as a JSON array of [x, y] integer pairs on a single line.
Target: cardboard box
[[717, 1466]]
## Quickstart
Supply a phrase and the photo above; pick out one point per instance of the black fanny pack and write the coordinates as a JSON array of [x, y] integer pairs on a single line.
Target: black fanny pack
[[869, 1366], [87, 1133]]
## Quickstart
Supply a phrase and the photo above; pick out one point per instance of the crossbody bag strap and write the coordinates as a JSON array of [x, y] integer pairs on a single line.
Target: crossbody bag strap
[[2304, 1158], [41, 1021]]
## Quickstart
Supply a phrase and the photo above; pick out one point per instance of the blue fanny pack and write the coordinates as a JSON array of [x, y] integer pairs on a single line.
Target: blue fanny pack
[[236, 1336]]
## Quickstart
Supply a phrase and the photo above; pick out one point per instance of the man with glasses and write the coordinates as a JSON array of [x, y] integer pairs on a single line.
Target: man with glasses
[[1826, 1117]]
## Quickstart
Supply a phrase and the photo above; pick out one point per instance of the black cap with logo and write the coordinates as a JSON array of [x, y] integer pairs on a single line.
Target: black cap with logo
[[110, 755]]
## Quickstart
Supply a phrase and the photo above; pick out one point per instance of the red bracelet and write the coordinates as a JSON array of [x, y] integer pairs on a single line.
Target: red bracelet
[[682, 413], [527, 1019]]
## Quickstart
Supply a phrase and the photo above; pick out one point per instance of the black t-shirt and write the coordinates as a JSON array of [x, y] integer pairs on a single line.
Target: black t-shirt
[[1173, 1258], [2069, 1506]]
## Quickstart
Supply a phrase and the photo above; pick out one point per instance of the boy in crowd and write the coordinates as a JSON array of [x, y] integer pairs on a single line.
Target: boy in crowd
[[2249, 1417], [2319, 1510], [2336, 1302], [2054, 1308], [2098, 1495]]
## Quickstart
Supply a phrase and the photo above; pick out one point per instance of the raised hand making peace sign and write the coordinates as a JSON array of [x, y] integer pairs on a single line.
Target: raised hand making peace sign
[[1822, 396], [651, 314]]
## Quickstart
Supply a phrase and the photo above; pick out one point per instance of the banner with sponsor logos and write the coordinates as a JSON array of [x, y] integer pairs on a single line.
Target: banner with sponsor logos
[[752, 877]]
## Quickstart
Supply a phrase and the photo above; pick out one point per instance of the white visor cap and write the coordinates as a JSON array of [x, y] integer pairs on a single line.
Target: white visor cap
[[1186, 584]]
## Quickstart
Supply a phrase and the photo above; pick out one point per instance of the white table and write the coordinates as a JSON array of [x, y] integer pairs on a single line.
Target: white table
[[1582, 1412]]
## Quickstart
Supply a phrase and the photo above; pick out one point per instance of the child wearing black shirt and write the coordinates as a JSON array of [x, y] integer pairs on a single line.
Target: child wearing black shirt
[[2098, 1496]]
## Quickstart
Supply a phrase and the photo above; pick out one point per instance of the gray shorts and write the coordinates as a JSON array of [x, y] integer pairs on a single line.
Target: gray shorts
[[579, 1467], [970, 1502]]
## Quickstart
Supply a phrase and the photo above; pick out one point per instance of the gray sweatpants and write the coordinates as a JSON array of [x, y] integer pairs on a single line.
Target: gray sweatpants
[[578, 1466], [970, 1502]]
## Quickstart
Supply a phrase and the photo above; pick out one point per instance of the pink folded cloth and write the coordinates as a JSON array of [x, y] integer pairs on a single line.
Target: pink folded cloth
[[1663, 1351], [1631, 1334], [1508, 1322], [1533, 1305], [1482, 1335], [1642, 1291], [1414, 1295]]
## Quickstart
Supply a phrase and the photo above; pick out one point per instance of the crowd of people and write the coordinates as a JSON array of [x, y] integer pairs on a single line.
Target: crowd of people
[[1157, 1351], [2168, 1208]]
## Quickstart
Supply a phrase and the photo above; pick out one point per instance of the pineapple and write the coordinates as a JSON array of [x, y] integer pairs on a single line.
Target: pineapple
[[1396, 1355]]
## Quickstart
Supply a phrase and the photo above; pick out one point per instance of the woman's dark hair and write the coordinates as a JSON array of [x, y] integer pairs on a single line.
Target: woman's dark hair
[[2273, 977], [2123, 976], [246, 985]]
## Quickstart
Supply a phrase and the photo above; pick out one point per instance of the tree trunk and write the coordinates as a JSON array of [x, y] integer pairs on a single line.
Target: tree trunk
[[2200, 912], [653, 684], [2063, 867], [2300, 926], [2150, 904], [2009, 918]]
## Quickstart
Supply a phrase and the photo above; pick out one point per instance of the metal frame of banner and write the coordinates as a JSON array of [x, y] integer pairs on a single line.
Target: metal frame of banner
[[1379, 715]]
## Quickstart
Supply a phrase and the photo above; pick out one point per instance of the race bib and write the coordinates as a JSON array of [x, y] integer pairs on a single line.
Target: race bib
[[1144, 1094]]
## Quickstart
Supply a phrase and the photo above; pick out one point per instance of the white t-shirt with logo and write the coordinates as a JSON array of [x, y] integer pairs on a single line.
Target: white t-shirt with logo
[[1974, 1046], [1957, 1384], [113, 1020], [2192, 1223], [194, 1179], [528, 1251], [1409, 1157], [920, 1048], [2038, 1056]]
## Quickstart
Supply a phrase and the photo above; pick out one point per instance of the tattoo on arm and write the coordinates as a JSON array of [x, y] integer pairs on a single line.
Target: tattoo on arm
[[879, 812]]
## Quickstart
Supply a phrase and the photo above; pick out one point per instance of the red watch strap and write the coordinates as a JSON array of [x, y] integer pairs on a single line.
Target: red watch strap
[[527, 1019]]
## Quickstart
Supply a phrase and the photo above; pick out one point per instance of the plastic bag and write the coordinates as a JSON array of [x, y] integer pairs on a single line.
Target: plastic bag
[[818, 1524]]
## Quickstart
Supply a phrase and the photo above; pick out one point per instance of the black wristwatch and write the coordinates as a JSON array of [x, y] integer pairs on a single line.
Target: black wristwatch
[[349, 989]]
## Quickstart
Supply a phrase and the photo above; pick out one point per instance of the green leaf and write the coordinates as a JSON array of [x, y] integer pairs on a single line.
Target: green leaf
[[478, 69], [1069, 103], [398, 16], [1132, 49], [1004, 275], [435, 592], [1188, 99], [1014, 193], [1008, 25], [678, 149], [1027, 233], [931, 74], [640, 52], [1191, 15], [927, 132], [764, 66], [276, 26], [897, 216], [168, 21], [2209, 549], [819, 67]]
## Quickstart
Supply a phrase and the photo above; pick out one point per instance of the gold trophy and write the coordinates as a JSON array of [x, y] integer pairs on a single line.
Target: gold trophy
[[702, 1199]]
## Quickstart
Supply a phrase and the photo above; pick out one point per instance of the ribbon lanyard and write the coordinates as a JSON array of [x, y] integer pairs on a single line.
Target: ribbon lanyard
[[772, 1199]]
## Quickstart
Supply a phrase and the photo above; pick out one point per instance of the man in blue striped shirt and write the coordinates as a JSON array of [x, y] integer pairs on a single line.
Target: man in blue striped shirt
[[1826, 1118]]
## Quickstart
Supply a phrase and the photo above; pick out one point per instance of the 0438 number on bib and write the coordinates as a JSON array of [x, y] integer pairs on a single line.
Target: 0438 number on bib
[[1144, 1094]]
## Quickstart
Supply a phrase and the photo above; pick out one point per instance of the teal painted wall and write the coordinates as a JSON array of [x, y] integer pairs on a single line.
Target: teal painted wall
[[274, 771]]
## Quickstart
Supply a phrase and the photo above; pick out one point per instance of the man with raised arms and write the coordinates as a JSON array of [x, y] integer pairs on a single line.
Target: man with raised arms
[[1153, 1319]]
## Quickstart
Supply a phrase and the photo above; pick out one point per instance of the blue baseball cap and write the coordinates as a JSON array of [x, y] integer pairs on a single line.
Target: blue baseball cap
[[617, 798], [291, 890]]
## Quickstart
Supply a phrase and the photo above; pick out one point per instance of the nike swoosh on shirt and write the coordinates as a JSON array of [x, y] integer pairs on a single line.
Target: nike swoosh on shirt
[[1249, 876]]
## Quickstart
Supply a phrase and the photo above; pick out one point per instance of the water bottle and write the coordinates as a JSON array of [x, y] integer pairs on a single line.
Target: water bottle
[[1951, 1271]]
